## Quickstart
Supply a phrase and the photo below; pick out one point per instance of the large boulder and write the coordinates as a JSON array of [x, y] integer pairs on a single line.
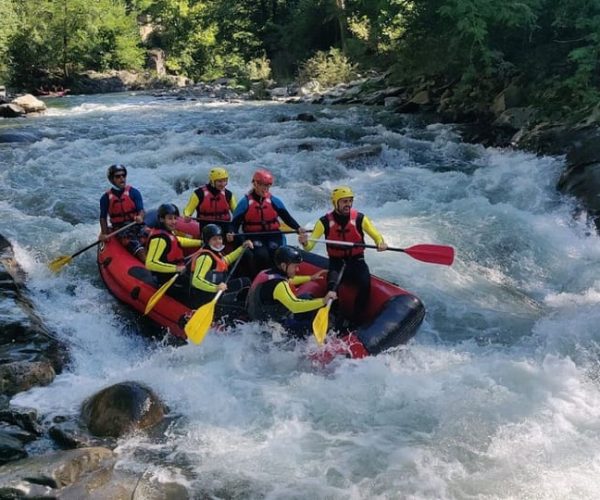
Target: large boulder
[[41, 477], [30, 103], [581, 178], [21, 376], [11, 448], [29, 354], [122, 408], [155, 61], [11, 110]]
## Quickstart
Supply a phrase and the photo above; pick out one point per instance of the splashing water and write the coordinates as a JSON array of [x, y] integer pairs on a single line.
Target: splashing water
[[496, 397]]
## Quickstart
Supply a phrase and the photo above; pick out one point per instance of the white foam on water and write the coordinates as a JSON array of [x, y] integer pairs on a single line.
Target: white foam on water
[[496, 397]]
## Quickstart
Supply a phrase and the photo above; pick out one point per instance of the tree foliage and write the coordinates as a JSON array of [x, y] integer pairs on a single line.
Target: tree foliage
[[58, 37], [552, 46]]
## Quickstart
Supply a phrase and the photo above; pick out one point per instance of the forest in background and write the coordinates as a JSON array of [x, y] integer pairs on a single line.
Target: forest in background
[[548, 48]]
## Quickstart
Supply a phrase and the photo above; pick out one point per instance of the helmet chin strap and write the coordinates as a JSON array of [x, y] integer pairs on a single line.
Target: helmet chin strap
[[217, 249]]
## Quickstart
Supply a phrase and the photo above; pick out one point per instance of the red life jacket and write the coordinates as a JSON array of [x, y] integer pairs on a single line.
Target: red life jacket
[[351, 231], [174, 253], [122, 208], [213, 207], [260, 216]]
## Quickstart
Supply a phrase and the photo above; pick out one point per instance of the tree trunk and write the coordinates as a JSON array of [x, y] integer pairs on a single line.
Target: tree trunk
[[340, 8], [65, 42]]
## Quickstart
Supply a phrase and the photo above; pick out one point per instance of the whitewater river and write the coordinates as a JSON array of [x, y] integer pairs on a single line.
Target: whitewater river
[[496, 397]]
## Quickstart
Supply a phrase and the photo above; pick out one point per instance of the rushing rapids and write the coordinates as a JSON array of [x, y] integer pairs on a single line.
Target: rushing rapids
[[504, 365]]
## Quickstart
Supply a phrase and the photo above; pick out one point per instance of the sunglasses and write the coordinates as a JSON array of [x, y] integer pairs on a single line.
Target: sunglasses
[[119, 176], [264, 185]]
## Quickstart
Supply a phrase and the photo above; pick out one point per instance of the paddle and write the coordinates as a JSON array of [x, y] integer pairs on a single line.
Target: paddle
[[156, 296], [321, 322], [198, 325], [58, 263], [435, 254], [270, 233]]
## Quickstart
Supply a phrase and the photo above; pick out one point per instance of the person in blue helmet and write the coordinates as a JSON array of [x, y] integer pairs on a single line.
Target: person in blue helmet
[[123, 204], [166, 255], [211, 274], [271, 295]]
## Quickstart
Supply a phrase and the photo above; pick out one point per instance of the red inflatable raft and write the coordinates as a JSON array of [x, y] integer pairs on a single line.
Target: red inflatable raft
[[394, 314]]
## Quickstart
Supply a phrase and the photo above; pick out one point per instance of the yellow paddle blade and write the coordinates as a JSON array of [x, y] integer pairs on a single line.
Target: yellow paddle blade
[[321, 323], [58, 263], [199, 324], [159, 294]]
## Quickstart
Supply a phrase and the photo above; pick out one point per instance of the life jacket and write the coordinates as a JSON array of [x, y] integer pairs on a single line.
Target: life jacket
[[260, 302], [121, 209], [213, 207], [218, 271], [174, 253], [351, 232], [260, 216]]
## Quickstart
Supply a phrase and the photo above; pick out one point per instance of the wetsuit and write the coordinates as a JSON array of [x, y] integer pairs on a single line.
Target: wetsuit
[[271, 297], [211, 268], [348, 228], [165, 253]]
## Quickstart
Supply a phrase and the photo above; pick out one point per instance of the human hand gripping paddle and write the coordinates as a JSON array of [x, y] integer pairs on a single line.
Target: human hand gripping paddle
[[156, 296], [321, 322], [435, 254], [58, 263], [198, 325]]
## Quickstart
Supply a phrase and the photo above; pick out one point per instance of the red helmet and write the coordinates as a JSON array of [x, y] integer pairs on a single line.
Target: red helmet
[[263, 176]]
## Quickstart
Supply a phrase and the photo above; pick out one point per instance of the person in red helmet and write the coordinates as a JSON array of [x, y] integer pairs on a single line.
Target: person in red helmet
[[259, 212], [123, 204]]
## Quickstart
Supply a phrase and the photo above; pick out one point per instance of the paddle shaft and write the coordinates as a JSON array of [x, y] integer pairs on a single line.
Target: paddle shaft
[[235, 265], [337, 283], [258, 233], [114, 233], [337, 243]]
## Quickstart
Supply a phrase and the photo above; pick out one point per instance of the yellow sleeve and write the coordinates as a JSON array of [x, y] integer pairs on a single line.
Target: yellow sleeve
[[199, 281], [283, 293], [299, 280], [317, 232], [192, 203], [156, 248], [189, 242], [369, 228], [231, 257], [232, 203]]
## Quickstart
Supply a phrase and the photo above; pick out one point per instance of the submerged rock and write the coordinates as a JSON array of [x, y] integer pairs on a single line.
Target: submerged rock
[[122, 408], [581, 178], [29, 353]]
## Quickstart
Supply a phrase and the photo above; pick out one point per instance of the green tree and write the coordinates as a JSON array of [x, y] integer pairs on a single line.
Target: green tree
[[8, 26], [59, 37]]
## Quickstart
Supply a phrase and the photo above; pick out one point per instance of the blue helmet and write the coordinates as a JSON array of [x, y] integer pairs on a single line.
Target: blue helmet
[[287, 255], [167, 209]]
